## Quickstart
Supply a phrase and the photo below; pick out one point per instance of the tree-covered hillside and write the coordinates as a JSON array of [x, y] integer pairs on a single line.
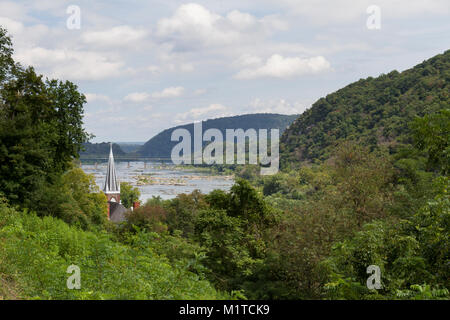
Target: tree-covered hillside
[[160, 146], [374, 112], [100, 149]]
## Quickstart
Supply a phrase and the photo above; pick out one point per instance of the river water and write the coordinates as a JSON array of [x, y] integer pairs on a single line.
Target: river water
[[157, 179]]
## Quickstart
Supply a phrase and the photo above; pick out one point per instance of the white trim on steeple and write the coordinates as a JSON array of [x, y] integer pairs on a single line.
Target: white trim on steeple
[[112, 184]]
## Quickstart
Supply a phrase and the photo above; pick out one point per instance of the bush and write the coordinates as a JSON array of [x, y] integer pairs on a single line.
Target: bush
[[35, 253], [128, 194], [148, 217]]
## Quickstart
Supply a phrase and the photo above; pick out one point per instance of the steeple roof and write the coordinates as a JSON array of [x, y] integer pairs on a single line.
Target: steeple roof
[[111, 183]]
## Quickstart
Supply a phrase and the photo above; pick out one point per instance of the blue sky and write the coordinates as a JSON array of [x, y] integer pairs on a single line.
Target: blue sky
[[149, 65]]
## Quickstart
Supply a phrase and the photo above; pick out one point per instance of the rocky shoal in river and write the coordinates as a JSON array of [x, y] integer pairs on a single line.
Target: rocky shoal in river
[[147, 179]]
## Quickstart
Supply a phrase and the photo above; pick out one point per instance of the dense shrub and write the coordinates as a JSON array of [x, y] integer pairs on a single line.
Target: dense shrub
[[36, 252]]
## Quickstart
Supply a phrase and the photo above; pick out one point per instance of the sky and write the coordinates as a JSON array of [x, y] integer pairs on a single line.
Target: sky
[[145, 66]]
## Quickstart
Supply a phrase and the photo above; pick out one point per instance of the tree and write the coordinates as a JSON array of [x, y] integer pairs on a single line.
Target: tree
[[84, 190], [412, 254], [67, 118], [41, 129], [233, 231], [228, 258], [182, 212], [75, 198], [6, 60], [432, 134], [363, 180], [128, 194], [148, 217]]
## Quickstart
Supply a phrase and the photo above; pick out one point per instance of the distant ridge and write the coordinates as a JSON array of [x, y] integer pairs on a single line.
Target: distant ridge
[[129, 147], [100, 149], [160, 146]]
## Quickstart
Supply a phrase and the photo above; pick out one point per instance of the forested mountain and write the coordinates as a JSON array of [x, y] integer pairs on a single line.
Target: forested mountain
[[100, 149], [374, 112], [161, 146]]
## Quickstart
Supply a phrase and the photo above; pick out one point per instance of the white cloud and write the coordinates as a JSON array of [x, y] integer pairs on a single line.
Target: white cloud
[[23, 36], [94, 97], [214, 110], [170, 92], [71, 64], [154, 69], [170, 65], [182, 67], [137, 97], [147, 108], [241, 20], [193, 25], [248, 60], [280, 106], [115, 37], [198, 112], [12, 10], [193, 22], [344, 11], [200, 92], [13, 26], [278, 66]]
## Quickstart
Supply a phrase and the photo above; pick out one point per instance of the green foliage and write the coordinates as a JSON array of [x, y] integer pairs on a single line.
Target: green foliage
[[75, 198], [423, 292], [410, 253], [128, 194], [6, 60], [182, 212], [288, 185], [247, 172], [339, 197], [148, 217], [35, 253], [431, 227], [412, 183], [432, 134], [229, 229], [180, 251], [224, 237], [234, 231]]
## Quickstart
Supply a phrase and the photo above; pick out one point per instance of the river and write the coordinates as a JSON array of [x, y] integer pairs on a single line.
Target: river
[[157, 179]]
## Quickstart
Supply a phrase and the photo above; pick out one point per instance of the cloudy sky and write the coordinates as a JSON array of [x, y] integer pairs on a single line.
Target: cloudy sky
[[148, 65]]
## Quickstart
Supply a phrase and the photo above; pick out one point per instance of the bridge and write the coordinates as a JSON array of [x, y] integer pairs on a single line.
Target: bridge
[[102, 159]]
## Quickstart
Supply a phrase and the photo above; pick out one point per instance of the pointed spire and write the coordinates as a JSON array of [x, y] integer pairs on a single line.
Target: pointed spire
[[111, 183]]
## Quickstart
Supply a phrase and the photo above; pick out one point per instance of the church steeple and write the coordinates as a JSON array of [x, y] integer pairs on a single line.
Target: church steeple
[[111, 187]]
